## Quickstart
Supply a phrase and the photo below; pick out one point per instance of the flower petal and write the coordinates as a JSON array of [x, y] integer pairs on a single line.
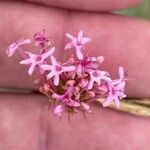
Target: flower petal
[[26, 61], [100, 59], [120, 86], [86, 107], [70, 36], [23, 42], [90, 85], [80, 36], [48, 53], [56, 80], [68, 46], [117, 102], [121, 72], [79, 52], [50, 75], [73, 103], [56, 96], [108, 101], [53, 60], [46, 67], [11, 49], [79, 69], [86, 40], [31, 69], [122, 96], [68, 68]]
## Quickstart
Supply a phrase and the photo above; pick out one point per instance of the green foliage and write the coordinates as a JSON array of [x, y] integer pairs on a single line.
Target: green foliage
[[142, 11]]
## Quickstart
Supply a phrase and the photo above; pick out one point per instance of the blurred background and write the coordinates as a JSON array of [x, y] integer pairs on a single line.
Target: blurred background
[[142, 11]]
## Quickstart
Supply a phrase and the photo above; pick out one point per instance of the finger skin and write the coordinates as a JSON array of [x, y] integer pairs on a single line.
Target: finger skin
[[123, 41], [28, 123], [88, 5]]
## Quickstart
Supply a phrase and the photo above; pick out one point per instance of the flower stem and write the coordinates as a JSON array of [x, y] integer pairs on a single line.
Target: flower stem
[[132, 106]]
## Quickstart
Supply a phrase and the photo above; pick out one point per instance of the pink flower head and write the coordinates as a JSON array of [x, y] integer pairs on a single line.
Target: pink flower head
[[58, 110], [67, 98], [78, 43], [36, 59], [56, 69], [14, 46], [77, 82], [41, 39], [96, 76], [116, 90]]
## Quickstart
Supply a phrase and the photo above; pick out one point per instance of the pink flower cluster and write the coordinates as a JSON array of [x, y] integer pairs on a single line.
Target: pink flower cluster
[[74, 84]]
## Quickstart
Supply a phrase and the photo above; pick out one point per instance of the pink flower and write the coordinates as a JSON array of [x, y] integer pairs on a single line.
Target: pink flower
[[66, 98], [56, 69], [36, 59], [58, 110], [116, 90], [41, 39], [78, 43], [87, 64], [14, 46], [96, 76], [74, 84]]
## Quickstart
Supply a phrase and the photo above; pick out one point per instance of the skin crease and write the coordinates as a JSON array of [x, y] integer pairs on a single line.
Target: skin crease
[[27, 122], [96, 5]]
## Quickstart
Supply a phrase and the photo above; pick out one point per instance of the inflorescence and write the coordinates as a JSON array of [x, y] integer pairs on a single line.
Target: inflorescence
[[74, 84]]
